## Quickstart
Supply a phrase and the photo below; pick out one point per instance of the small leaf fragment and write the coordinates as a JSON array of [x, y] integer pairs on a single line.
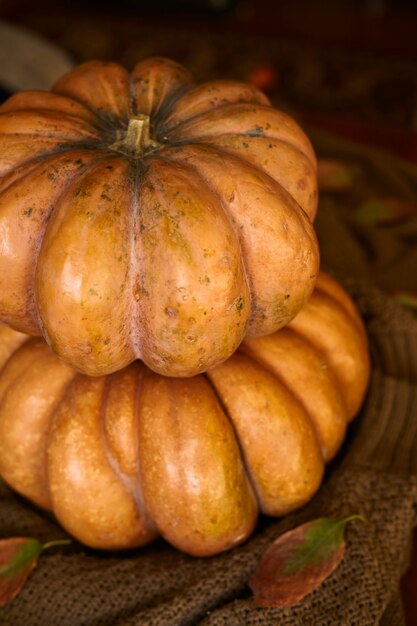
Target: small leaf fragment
[[298, 562], [18, 557], [384, 211], [334, 175], [264, 77], [406, 298]]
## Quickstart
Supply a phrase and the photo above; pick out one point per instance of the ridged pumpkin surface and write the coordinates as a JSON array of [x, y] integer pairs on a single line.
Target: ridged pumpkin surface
[[142, 216], [124, 458]]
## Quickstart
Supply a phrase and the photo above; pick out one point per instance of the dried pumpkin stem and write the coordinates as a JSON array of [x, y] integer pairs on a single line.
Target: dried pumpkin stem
[[136, 139], [137, 134]]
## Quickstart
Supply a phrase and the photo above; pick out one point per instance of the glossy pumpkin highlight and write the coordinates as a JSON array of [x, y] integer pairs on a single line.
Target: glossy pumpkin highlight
[[124, 458], [145, 217]]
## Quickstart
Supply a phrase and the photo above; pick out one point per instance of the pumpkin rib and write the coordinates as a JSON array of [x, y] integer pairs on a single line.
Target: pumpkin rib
[[105, 121], [193, 167], [47, 101], [206, 96], [195, 485], [329, 286], [326, 402], [262, 171], [195, 289], [9, 390], [19, 373], [325, 318], [54, 149], [209, 142], [59, 126], [174, 78], [104, 133], [103, 85], [243, 119], [170, 100], [205, 143], [260, 402], [97, 509], [136, 337], [132, 486], [221, 143], [43, 158], [299, 217], [256, 488], [110, 457], [139, 496], [33, 356], [243, 454], [10, 341], [20, 172], [61, 269], [29, 216], [51, 420]]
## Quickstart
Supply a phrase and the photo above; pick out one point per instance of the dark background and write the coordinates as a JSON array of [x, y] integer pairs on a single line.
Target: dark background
[[347, 66]]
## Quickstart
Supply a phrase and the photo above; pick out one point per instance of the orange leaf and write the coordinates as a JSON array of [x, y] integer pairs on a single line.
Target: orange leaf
[[298, 562], [18, 557]]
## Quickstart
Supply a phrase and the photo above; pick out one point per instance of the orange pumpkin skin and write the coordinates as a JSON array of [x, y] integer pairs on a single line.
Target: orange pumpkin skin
[[145, 217], [121, 459]]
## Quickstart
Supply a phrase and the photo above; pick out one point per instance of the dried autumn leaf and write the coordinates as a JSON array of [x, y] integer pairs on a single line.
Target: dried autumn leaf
[[298, 562], [384, 211], [18, 557]]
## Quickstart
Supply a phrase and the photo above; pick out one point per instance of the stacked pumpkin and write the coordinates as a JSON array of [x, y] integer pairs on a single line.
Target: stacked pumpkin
[[159, 235]]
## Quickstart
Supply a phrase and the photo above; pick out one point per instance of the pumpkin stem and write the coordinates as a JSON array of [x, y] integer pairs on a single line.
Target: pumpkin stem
[[136, 139]]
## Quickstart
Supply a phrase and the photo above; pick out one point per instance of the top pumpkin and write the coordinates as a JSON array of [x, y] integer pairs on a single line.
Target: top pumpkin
[[144, 217]]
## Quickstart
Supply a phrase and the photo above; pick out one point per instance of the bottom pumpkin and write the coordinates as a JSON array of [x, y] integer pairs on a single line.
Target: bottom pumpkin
[[124, 458]]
